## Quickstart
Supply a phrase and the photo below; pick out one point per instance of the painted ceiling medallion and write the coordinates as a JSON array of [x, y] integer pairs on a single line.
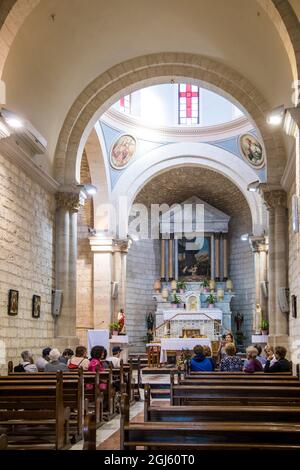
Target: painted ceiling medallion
[[122, 151], [252, 151]]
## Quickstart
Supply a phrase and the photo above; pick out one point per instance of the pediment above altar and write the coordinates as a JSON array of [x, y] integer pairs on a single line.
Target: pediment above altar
[[185, 214]]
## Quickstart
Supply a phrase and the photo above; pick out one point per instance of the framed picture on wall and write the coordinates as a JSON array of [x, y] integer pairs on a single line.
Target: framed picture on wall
[[13, 302], [294, 306], [36, 306]]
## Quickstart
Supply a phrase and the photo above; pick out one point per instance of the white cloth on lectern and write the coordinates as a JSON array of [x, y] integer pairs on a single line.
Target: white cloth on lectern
[[98, 338]]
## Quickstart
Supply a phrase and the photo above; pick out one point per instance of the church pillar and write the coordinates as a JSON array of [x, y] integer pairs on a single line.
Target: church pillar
[[68, 204], [120, 266], [102, 249], [163, 259], [259, 248], [225, 256], [212, 256], [217, 256], [171, 255], [278, 223]]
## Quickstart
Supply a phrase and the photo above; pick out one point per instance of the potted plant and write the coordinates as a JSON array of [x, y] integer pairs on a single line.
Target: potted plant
[[181, 286], [114, 327], [176, 301], [264, 327], [210, 300], [205, 284]]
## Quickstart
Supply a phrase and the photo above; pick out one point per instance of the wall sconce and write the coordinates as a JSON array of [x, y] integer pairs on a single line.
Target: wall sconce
[[275, 117]]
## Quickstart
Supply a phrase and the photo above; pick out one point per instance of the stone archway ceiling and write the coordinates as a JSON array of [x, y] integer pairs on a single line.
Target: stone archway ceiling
[[5, 7], [177, 185]]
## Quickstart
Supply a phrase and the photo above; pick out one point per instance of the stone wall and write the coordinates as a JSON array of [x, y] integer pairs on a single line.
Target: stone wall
[[293, 272], [84, 293], [142, 269], [27, 215]]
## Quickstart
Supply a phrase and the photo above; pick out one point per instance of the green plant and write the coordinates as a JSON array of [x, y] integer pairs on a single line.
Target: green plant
[[210, 299], [264, 325], [114, 326], [176, 299], [181, 285], [205, 282]]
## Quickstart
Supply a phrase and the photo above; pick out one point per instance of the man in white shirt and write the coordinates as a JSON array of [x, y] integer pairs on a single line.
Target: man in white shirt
[[115, 358]]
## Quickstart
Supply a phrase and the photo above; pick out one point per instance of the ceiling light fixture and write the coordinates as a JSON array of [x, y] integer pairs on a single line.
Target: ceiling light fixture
[[275, 117]]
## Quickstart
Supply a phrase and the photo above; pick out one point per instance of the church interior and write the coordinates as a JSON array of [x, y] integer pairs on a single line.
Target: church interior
[[149, 225]]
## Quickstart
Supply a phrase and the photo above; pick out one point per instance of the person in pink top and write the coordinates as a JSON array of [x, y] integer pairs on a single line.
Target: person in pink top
[[253, 364], [96, 363]]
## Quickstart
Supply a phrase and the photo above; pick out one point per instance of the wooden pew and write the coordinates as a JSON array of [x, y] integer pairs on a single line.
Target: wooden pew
[[218, 374], [223, 412], [34, 415], [89, 430], [72, 393], [206, 435], [238, 394], [90, 389], [3, 442]]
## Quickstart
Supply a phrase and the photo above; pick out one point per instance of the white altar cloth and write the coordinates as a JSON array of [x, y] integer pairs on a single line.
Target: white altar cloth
[[181, 314], [177, 344]]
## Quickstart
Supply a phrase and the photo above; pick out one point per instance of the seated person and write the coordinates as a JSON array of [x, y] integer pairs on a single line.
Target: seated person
[[281, 364], [262, 359], [96, 363], [54, 364], [207, 353], [231, 362], [253, 364], [43, 360], [269, 351], [199, 362], [80, 359], [115, 358], [104, 359], [26, 364], [226, 339], [66, 355]]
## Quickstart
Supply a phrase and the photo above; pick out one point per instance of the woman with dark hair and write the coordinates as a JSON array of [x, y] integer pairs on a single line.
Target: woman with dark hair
[[97, 364], [226, 339]]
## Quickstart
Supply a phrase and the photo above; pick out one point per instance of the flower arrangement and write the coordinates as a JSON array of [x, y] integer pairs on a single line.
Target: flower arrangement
[[176, 299], [114, 327], [264, 327], [181, 285]]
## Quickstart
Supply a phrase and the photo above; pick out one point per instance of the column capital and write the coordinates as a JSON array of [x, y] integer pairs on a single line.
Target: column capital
[[273, 197], [109, 245], [258, 243], [71, 201]]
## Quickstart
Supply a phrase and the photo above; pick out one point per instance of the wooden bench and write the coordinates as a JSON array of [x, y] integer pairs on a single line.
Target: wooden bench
[[34, 415], [237, 394], [89, 430], [3, 442], [206, 435], [223, 412]]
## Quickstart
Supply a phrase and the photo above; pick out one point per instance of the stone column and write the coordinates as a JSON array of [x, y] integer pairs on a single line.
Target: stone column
[[217, 256], [68, 204], [163, 259], [171, 254], [225, 256], [120, 266], [259, 249], [102, 249], [278, 252]]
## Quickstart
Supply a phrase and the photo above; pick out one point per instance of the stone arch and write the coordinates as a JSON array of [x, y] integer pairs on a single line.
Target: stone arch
[[191, 154], [14, 14], [286, 22], [159, 68]]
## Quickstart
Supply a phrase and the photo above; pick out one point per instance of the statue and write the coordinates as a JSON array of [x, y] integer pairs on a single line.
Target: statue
[[257, 320], [121, 321], [239, 319], [150, 326]]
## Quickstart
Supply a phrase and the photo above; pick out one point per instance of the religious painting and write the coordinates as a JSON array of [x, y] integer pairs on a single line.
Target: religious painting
[[36, 306], [122, 151], [13, 302], [194, 259], [252, 151]]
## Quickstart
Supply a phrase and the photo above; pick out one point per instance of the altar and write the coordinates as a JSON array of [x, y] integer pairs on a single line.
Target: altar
[[178, 344]]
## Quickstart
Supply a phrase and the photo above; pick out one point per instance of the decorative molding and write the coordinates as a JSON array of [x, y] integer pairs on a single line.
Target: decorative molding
[[19, 154], [72, 201], [273, 197], [258, 243], [127, 123]]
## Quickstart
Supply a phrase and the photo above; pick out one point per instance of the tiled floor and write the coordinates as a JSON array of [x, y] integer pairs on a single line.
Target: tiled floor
[[108, 436]]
